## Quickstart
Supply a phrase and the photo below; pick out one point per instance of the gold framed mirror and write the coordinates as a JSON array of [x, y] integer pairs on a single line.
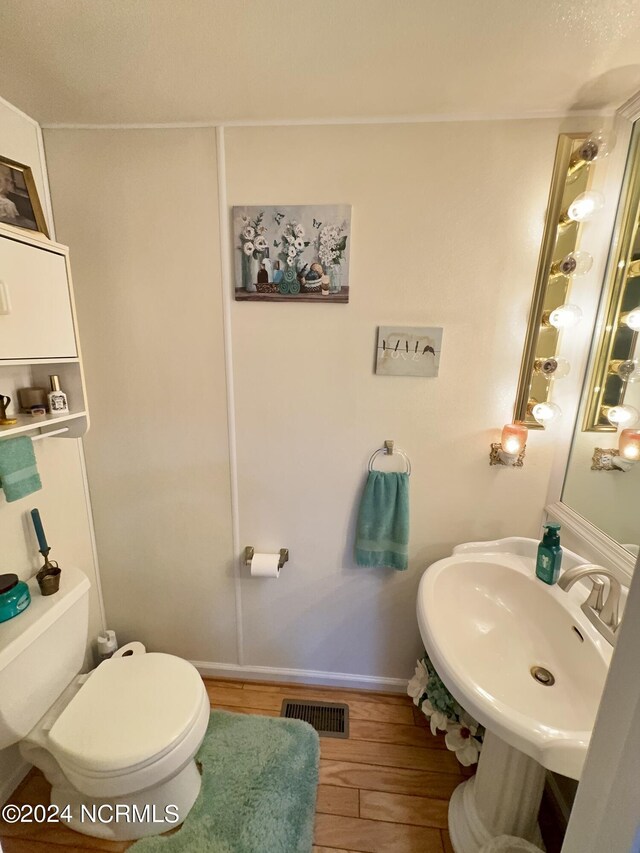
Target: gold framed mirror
[[615, 365]]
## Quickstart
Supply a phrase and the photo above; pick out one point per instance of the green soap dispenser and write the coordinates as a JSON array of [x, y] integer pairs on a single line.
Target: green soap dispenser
[[549, 557]]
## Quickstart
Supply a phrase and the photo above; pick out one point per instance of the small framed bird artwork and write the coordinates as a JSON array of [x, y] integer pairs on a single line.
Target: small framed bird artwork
[[409, 351]]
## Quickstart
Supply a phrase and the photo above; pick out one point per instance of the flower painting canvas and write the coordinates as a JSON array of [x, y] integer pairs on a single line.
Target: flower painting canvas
[[294, 253]]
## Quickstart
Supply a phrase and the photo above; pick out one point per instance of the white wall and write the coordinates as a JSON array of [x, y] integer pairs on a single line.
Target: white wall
[[447, 221], [140, 210], [63, 502]]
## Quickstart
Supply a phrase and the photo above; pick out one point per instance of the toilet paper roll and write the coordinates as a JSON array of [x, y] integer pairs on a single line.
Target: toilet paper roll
[[265, 566], [130, 649]]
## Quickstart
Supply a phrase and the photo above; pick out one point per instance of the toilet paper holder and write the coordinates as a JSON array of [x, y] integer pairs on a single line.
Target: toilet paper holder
[[249, 551]]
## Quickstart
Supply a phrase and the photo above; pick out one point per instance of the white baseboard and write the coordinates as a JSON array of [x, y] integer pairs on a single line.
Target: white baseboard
[[8, 785], [300, 676]]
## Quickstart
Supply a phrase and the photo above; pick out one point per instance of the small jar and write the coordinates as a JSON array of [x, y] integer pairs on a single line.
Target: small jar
[[14, 596]]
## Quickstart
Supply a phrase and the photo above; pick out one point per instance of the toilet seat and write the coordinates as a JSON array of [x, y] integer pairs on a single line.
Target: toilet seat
[[135, 721]]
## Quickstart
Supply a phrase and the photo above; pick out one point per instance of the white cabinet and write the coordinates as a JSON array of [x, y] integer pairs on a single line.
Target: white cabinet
[[38, 335], [36, 318]]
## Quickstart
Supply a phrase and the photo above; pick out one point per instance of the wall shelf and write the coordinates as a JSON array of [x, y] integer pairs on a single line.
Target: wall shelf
[[38, 322], [44, 423]]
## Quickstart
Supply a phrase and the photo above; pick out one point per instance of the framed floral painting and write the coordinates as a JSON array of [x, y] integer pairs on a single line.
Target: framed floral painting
[[292, 253]]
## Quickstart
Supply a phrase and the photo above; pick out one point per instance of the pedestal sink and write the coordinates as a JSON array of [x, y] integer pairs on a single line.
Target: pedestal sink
[[521, 657]]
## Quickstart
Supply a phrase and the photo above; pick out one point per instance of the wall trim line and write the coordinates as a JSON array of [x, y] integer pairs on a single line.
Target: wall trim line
[[209, 669], [10, 784], [432, 118], [225, 273]]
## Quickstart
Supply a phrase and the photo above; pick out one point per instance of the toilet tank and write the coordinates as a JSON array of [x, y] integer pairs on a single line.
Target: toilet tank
[[41, 651]]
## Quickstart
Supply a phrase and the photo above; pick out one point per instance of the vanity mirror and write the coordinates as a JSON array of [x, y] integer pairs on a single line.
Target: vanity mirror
[[602, 481]]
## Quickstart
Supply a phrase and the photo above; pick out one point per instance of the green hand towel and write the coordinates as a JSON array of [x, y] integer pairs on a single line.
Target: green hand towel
[[382, 536], [18, 470]]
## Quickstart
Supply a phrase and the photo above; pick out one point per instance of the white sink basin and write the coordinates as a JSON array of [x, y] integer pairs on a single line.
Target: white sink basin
[[486, 621]]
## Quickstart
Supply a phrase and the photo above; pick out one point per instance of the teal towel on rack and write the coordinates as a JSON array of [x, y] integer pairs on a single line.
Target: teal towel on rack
[[18, 470], [382, 536]]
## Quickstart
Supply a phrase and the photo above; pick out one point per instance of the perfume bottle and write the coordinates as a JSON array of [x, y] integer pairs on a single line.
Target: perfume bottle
[[57, 399]]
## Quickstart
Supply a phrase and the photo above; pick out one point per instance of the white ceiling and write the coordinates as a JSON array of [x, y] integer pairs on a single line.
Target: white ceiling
[[139, 61]]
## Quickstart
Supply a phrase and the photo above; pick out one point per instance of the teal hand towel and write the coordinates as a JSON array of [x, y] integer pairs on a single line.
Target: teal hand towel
[[382, 536], [18, 470]]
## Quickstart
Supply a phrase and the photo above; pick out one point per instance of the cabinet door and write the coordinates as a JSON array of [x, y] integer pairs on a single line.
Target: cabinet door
[[35, 305]]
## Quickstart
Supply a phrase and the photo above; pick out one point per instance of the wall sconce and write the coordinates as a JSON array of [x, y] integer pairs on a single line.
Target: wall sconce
[[622, 458], [511, 448]]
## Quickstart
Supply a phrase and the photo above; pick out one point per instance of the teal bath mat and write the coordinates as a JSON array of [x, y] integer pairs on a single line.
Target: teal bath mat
[[258, 795]]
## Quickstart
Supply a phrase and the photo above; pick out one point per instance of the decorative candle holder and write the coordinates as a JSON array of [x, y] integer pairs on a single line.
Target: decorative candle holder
[[49, 575]]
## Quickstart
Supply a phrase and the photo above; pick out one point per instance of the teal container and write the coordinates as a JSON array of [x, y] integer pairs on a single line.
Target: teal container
[[549, 557], [14, 597]]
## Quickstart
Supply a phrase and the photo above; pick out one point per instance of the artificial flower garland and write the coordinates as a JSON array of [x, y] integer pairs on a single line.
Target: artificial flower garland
[[463, 734]]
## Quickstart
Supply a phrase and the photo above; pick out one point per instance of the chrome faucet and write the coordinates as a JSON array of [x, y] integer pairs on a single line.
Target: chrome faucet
[[603, 615]]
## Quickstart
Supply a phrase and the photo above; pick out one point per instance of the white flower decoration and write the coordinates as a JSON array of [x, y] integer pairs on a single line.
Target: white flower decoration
[[299, 244], [245, 220], [460, 739], [248, 248], [298, 230], [291, 261], [418, 683], [249, 232], [260, 243], [437, 720], [292, 251]]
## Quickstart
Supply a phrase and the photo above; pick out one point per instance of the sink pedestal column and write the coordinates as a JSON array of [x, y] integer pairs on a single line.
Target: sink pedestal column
[[503, 798]]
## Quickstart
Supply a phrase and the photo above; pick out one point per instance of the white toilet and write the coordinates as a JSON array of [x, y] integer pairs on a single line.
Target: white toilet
[[118, 744]]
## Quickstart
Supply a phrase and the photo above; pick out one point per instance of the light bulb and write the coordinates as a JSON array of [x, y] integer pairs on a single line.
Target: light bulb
[[574, 264], [628, 371], [632, 319], [546, 413], [598, 146], [552, 368], [629, 445], [565, 316], [513, 439], [585, 205], [624, 416]]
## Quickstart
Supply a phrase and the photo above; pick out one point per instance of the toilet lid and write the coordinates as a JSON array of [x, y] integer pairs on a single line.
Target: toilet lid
[[130, 711]]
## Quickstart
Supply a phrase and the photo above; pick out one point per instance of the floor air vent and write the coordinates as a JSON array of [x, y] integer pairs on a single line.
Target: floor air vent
[[327, 718]]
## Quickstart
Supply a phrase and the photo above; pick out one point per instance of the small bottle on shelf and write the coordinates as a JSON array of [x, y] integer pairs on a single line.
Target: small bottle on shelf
[[58, 404]]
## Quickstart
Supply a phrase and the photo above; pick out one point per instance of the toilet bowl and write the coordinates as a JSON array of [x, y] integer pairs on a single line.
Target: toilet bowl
[[126, 734], [118, 744]]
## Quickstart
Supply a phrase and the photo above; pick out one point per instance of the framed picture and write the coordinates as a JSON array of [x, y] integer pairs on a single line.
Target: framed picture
[[292, 253], [19, 202], [409, 351]]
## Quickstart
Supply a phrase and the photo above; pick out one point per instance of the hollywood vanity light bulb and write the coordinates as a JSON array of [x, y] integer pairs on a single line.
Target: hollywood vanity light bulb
[[632, 319], [585, 205], [546, 413], [624, 416], [565, 316], [574, 264]]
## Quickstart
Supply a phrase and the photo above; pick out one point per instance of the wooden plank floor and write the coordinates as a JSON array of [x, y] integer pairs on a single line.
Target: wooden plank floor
[[385, 789]]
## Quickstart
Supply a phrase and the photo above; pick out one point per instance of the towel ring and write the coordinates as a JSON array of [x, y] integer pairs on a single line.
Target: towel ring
[[386, 451]]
